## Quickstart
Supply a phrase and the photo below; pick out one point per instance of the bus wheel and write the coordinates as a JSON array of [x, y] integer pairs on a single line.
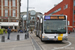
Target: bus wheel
[[42, 40], [36, 35]]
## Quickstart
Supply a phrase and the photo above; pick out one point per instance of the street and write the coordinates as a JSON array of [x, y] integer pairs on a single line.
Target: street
[[65, 45], [34, 43]]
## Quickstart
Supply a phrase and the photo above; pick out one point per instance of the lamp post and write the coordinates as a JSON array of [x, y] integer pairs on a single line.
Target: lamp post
[[27, 15], [23, 23]]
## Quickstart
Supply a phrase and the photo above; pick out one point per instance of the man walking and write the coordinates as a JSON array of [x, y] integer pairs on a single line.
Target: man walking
[[8, 30]]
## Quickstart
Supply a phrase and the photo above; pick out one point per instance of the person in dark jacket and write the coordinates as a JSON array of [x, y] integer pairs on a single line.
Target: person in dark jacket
[[9, 31]]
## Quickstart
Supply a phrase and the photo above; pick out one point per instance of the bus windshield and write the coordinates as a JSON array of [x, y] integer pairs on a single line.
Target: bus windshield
[[55, 26]]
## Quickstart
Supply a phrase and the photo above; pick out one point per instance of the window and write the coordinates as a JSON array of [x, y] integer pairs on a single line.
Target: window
[[66, 6], [74, 2], [31, 18], [55, 11], [6, 2], [14, 13], [13, 2], [6, 13], [5, 20], [74, 11]]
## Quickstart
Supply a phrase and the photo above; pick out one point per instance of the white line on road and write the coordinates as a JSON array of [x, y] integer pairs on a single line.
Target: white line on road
[[63, 46]]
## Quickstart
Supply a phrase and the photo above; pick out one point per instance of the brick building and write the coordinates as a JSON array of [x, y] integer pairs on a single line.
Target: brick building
[[9, 13], [66, 7]]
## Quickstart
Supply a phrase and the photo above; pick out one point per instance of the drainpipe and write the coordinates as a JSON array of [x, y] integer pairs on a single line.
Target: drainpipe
[[73, 15]]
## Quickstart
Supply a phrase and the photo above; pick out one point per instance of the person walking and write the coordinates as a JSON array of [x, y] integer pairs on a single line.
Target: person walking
[[9, 31]]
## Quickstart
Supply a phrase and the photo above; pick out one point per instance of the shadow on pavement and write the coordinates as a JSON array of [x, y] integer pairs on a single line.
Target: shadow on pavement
[[54, 42]]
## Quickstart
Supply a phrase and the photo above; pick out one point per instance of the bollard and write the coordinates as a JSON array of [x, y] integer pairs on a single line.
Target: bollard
[[3, 39], [18, 37], [28, 35], [25, 36]]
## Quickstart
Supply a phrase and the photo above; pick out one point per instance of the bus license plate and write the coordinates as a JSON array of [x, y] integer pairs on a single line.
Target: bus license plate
[[55, 39]]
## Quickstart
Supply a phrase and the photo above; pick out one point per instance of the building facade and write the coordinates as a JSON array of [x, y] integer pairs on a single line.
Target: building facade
[[66, 7], [9, 13]]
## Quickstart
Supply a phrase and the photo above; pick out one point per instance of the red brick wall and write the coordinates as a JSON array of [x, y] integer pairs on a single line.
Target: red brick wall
[[0, 7], [68, 11]]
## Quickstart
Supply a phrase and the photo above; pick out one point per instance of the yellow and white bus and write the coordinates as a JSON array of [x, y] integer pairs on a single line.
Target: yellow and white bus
[[54, 28]]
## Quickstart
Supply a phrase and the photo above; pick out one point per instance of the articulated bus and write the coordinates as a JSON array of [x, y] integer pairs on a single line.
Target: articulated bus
[[54, 28]]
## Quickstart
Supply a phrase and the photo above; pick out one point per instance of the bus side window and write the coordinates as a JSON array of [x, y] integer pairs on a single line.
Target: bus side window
[[42, 27]]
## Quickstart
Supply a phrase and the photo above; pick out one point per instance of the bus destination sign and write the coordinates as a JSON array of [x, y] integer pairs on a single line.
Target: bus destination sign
[[47, 17], [54, 17]]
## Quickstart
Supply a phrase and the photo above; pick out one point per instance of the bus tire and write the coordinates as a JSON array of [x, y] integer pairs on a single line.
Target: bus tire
[[42, 40], [36, 35]]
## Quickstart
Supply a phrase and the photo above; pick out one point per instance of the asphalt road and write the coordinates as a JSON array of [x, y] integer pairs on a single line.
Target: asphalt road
[[51, 45]]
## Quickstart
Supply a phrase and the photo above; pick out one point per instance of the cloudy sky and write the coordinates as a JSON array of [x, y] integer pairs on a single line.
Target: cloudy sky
[[39, 5]]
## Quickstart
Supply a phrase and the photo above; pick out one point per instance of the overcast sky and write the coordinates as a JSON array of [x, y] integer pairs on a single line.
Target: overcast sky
[[39, 5]]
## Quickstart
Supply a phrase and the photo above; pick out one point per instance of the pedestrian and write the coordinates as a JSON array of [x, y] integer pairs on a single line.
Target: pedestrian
[[9, 31], [18, 30], [31, 30]]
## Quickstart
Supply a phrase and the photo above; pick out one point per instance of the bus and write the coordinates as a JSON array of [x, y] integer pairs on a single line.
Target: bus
[[54, 27]]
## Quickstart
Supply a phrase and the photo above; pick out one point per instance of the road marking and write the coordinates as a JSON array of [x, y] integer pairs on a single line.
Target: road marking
[[63, 46]]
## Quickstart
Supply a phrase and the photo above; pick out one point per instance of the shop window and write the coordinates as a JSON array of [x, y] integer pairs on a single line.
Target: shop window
[[13, 20], [0, 20], [5, 20]]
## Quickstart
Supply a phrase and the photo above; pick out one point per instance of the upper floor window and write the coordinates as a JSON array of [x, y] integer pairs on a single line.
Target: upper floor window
[[14, 13], [74, 2], [6, 13], [13, 3], [74, 11], [6, 2], [66, 6], [55, 11]]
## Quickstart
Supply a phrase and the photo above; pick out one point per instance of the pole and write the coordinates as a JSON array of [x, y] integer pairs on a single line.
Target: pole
[[73, 15], [27, 16], [27, 12], [23, 25]]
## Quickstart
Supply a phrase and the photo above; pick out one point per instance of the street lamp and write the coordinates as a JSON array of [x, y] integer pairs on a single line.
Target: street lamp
[[27, 15]]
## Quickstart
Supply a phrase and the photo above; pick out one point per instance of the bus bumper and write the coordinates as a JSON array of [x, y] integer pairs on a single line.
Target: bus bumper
[[54, 39]]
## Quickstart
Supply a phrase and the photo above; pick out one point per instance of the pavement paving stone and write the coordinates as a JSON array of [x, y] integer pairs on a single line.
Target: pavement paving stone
[[13, 44]]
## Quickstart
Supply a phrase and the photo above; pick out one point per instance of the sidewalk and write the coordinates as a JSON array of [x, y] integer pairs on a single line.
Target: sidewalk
[[13, 44]]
